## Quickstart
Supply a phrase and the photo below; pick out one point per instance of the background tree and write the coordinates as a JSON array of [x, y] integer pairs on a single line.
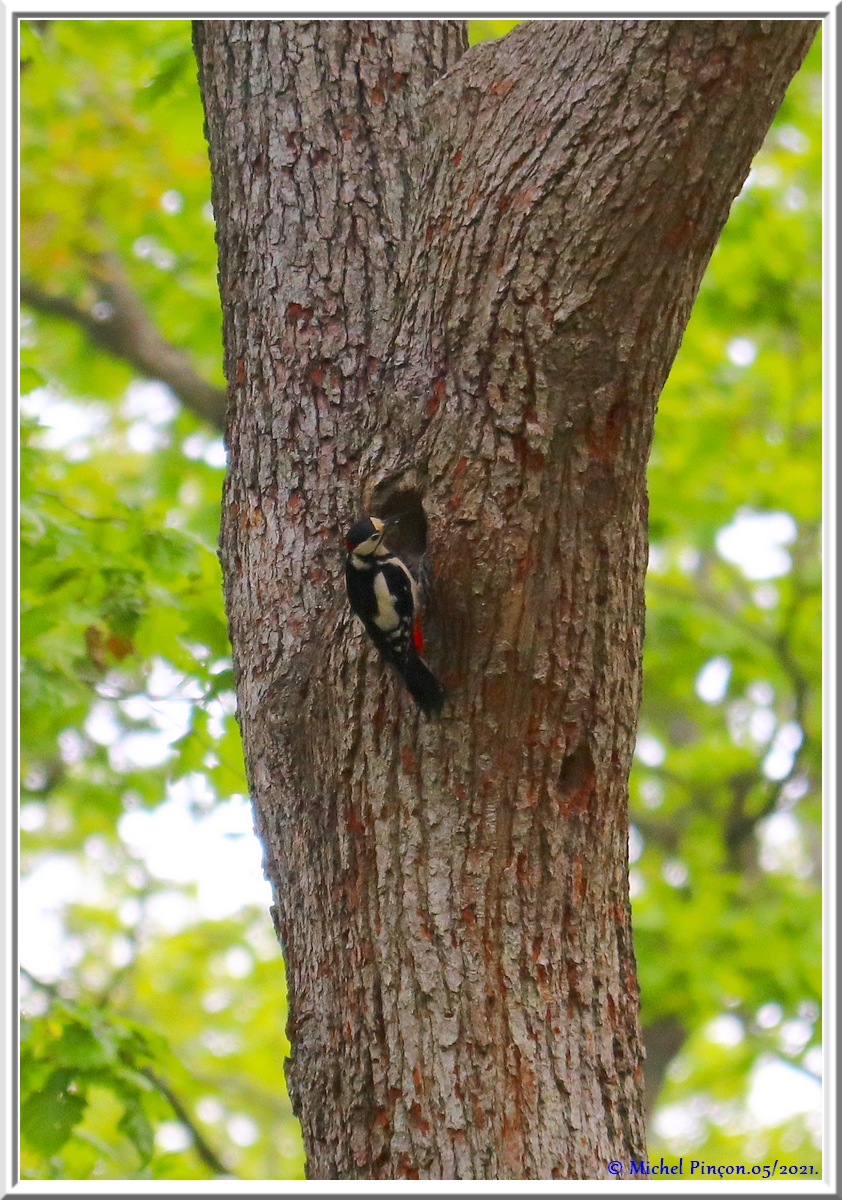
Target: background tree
[[111, 110]]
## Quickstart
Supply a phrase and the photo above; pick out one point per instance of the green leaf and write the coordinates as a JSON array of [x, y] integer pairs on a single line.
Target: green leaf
[[136, 1126], [30, 379], [78, 1046], [49, 1115], [177, 67]]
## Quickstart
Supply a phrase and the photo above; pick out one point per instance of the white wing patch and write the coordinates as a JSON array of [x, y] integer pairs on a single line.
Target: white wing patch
[[386, 617]]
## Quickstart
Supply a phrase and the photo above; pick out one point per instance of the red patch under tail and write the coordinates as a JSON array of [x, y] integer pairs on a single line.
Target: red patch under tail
[[417, 636]]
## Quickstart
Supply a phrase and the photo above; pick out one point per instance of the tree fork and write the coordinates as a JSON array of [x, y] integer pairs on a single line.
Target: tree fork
[[454, 283]]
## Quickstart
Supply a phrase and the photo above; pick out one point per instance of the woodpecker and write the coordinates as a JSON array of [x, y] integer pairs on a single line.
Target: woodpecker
[[383, 594]]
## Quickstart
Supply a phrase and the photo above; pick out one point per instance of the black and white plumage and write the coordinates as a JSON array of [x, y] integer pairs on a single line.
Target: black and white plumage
[[384, 595]]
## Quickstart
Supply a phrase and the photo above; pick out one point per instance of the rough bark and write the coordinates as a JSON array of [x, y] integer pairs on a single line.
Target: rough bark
[[459, 302]]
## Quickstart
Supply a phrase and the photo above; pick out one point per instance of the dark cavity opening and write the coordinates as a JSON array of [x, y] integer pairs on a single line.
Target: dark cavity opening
[[406, 534], [577, 779]]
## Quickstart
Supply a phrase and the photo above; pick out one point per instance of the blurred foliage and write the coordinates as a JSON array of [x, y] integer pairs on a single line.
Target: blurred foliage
[[483, 31], [726, 791], [152, 1034]]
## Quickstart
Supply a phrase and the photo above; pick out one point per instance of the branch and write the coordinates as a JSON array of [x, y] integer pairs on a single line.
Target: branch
[[203, 1148], [51, 989], [538, 262], [663, 1039], [127, 331]]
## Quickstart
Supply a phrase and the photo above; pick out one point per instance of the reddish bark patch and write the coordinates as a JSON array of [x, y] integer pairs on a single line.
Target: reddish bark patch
[[541, 977], [467, 915], [678, 237], [512, 1149], [502, 87], [523, 200], [417, 1118], [572, 979], [317, 376], [521, 868], [603, 444], [404, 1168], [353, 820], [377, 96], [571, 733], [528, 1087], [510, 496], [240, 375], [456, 497], [436, 397], [524, 566], [252, 520], [495, 693], [379, 718], [579, 889], [572, 989], [457, 158], [529, 459], [407, 760], [296, 313], [350, 890]]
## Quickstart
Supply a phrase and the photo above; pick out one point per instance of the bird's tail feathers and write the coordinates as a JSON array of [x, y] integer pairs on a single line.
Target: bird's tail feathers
[[422, 685]]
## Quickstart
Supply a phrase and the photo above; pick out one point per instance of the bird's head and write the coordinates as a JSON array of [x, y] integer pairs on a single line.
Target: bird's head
[[364, 536]]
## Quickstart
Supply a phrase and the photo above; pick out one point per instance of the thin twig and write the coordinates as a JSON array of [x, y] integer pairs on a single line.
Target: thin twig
[[203, 1148]]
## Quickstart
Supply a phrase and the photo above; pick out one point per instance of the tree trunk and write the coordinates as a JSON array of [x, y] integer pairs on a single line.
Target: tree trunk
[[452, 290]]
